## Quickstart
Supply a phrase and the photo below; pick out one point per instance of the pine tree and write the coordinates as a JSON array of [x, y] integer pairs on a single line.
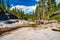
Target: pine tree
[[41, 8], [7, 5], [0, 2], [36, 12], [58, 6], [19, 13], [45, 7], [3, 5], [51, 7]]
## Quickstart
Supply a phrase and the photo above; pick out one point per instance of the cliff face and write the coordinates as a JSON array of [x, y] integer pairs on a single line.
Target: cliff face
[[7, 16]]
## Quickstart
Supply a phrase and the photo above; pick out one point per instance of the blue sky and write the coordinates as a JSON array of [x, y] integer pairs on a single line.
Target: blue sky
[[57, 1], [25, 2], [27, 5]]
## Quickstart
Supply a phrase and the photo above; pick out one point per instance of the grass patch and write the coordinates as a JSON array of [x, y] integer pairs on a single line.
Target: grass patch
[[57, 17]]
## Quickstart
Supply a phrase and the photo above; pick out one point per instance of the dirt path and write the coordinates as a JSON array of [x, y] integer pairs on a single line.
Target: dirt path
[[29, 33]]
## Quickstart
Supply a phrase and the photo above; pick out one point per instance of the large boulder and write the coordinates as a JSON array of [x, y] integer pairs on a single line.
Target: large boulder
[[7, 16]]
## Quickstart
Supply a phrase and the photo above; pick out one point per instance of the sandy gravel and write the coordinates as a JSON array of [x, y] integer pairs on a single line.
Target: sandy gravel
[[29, 33]]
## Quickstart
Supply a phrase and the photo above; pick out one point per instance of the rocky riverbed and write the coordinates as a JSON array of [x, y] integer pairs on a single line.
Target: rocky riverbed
[[28, 33], [41, 32], [6, 26]]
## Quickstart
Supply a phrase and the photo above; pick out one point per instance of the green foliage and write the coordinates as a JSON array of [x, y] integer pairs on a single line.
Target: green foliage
[[19, 13], [44, 12], [59, 5], [4, 6], [7, 5], [29, 16], [57, 17]]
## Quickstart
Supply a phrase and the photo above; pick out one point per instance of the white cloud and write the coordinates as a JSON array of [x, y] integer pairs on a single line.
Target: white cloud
[[37, 0], [26, 9]]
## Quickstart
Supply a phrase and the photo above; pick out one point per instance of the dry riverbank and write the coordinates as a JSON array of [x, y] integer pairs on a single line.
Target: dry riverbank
[[28, 33], [40, 32]]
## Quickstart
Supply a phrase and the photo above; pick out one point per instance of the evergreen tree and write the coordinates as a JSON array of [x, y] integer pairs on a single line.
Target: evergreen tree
[[41, 9], [3, 5], [18, 12], [8, 5], [58, 6], [51, 7], [45, 7], [36, 11], [0, 2], [53, 4]]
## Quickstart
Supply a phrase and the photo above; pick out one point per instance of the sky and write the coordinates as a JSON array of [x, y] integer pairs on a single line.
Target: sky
[[28, 6]]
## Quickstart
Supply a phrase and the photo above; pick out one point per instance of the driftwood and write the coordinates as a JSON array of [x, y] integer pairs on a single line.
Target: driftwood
[[56, 30], [15, 26], [2, 30]]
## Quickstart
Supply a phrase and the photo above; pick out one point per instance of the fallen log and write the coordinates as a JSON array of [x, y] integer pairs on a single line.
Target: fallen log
[[11, 27], [3, 30], [56, 30]]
